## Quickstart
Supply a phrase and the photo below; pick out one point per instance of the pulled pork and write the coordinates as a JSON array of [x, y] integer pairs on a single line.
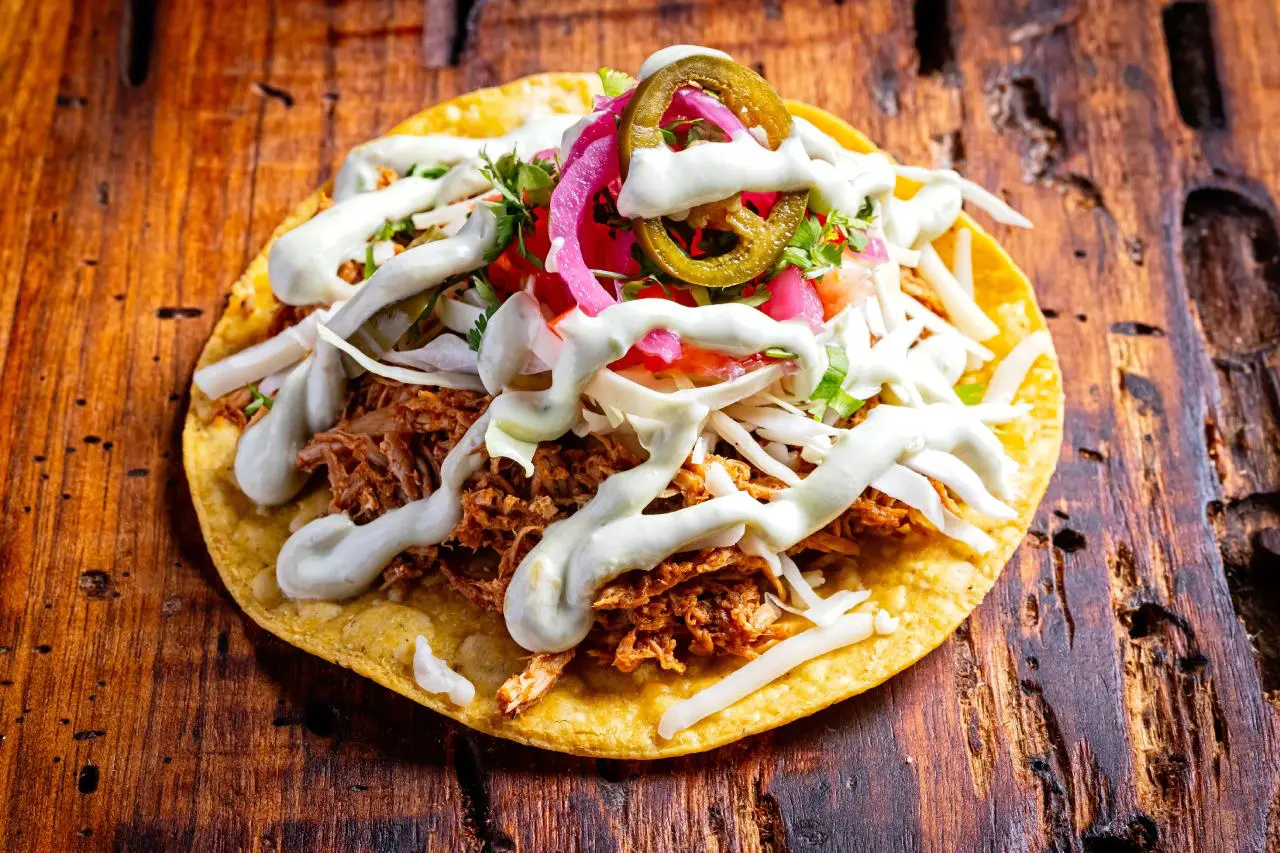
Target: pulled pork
[[387, 450]]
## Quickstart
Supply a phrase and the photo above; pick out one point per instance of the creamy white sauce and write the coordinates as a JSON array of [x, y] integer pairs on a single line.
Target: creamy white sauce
[[332, 558], [359, 173], [593, 342], [435, 676], [303, 263], [265, 467], [663, 57], [312, 398], [662, 182], [548, 606], [260, 360], [916, 222]]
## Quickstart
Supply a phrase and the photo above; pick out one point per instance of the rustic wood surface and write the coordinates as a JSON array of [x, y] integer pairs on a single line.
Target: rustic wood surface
[[1110, 695]]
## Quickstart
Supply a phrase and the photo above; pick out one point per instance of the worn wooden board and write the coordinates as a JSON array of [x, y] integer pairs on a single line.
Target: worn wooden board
[[1106, 697]]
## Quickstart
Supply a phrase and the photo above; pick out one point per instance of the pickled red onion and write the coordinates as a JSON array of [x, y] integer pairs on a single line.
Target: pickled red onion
[[571, 201], [581, 179], [792, 297], [875, 251]]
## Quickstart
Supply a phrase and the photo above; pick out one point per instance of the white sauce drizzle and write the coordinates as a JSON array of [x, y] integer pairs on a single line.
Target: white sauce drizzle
[[435, 676], [359, 173], [313, 396], [663, 57], [548, 608], [332, 558], [303, 263], [260, 360], [662, 182]]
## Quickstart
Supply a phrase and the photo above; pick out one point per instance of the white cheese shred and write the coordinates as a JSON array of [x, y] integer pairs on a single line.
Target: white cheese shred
[[770, 666], [434, 675], [965, 313], [1013, 368]]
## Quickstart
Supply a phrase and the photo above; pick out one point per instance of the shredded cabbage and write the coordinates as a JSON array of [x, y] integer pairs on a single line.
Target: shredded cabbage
[[734, 433], [442, 379]]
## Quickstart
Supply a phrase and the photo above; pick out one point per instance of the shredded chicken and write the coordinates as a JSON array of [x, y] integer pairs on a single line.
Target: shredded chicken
[[522, 690], [387, 449]]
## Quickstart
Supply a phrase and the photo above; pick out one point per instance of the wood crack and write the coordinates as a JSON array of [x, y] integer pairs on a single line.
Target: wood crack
[[471, 771], [1193, 64]]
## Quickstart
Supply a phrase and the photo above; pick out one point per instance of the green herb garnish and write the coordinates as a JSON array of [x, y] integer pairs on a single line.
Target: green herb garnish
[[421, 170], [830, 393], [971, 393], [523, 186], [816, 247], [260, 401], [476, 333], [615, 82], [369, 266], [392, 227], [485, 289]]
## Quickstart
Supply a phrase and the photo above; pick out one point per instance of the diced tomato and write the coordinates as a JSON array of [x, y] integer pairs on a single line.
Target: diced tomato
[[839, 288]]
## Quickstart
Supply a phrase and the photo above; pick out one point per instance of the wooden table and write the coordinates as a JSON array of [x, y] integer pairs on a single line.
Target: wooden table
[[1110, 695]]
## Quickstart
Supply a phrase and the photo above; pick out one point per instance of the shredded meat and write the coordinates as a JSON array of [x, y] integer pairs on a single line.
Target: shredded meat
[[707, 615], [526, 687], [387, 450], [288, 315], [231, 407]]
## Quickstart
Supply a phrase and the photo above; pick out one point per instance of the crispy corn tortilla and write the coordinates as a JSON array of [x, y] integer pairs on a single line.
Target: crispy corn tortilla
[[932, 584]]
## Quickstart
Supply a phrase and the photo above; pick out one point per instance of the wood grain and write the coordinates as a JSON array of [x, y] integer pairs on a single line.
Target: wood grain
[[1106, 697]]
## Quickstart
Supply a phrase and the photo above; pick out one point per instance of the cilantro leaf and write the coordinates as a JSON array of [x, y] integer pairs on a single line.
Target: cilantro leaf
[[486, 292], [523, 186], [476, 334], [615, 82], [260, 401], [818, 247], [485, 289], [369, 266], [533, 183]]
